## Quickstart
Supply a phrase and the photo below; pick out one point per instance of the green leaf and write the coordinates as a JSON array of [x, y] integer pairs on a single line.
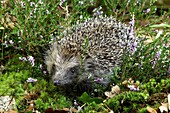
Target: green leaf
[[2, 28], [160, 25], [85, 98]]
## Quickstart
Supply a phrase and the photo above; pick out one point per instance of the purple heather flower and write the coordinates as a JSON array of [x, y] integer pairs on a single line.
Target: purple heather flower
[[133, 88], [134, 47], [31, 80], [147, 10], [132, 24], [11, 42], [75, 103], [128, 1], [98, 79], [23, 58], [56, 82], [32, 4], [45, 72], [61, 2], [157, 56], [6, 44], [31, 59]]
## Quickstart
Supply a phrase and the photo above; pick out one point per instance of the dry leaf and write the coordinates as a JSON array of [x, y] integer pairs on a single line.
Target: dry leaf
[[125, 82], [164, 108], [151, 110], [169, 101], [115, 89], [109, 94], [148, 41], [11, 111], [11, 25]]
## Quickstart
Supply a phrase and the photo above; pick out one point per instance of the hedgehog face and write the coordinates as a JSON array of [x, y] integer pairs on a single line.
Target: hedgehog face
[[65, 72], [63, 65]]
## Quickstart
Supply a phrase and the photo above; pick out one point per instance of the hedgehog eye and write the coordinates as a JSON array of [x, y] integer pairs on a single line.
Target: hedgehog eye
[[72, 70]]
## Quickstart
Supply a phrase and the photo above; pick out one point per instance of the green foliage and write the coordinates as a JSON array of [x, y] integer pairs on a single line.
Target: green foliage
[[156, 87], [11, 83], [59, 103], [94, 108], [85, 98], [142, 110], [124, 101], [63, 102]]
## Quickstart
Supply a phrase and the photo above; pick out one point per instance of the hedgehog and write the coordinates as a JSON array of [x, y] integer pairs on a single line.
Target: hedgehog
[[88, 52]]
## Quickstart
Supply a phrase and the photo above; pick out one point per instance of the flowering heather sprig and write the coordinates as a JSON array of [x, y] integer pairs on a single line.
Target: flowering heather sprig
[[30, 59], [132, 25], [133, 88], [5, 43], [147, 10], [98, 80], [41, 67], [133, 46], [157, 56], [11, 42], [75, 103], [32, 4]]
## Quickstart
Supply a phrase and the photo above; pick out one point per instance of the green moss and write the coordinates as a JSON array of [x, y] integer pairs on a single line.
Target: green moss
[[94, 108], [11, 82]]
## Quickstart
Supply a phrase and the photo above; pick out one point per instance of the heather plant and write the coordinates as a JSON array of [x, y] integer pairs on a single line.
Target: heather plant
[[28, 27]]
